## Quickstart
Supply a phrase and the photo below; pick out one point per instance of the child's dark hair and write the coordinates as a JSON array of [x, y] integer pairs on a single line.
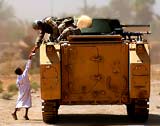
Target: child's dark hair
[[18, 71]]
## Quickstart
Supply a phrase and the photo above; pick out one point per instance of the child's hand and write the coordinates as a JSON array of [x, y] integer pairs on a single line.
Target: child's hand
[[30, 55], [34, 49]]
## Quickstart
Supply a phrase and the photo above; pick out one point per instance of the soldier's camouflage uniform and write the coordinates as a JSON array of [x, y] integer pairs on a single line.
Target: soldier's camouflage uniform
[[71, 30], [49, 26]]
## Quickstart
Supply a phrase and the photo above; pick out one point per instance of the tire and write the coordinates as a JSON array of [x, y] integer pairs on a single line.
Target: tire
[[130, 110], [50, 111], [138, 110]]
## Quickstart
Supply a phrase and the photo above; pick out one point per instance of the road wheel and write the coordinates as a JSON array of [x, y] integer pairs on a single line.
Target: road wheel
[[50, 111]]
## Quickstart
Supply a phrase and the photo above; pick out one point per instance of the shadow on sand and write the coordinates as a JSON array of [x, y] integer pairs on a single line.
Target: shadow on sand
[[103, 119]]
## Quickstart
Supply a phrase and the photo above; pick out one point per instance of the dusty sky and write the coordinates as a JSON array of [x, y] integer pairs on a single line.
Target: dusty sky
[[37, 9]]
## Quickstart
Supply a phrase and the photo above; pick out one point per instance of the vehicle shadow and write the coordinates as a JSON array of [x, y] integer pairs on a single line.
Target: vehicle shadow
[[103, 119]]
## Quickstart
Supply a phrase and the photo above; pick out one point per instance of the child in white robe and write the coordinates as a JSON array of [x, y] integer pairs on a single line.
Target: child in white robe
[[24, 94]]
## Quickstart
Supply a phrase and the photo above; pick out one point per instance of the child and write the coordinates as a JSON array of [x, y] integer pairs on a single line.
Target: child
[[24, 94]]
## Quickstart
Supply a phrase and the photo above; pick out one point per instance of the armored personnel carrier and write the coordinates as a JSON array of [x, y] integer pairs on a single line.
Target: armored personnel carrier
[[105, 65]]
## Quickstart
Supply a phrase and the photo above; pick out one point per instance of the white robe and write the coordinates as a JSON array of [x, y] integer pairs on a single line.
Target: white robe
[[23, 84]]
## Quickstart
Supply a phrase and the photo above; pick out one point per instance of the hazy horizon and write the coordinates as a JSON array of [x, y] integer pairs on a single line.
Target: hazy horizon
[[38, 9]]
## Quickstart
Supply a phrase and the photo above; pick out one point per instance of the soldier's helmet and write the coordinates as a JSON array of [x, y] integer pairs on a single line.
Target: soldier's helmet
[[37, 24]]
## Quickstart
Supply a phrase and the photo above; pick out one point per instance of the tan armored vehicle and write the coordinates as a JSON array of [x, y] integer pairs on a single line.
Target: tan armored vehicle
[[105, 65]]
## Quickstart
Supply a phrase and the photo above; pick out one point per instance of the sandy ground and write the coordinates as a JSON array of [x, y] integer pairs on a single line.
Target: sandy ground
[[98, 115]]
